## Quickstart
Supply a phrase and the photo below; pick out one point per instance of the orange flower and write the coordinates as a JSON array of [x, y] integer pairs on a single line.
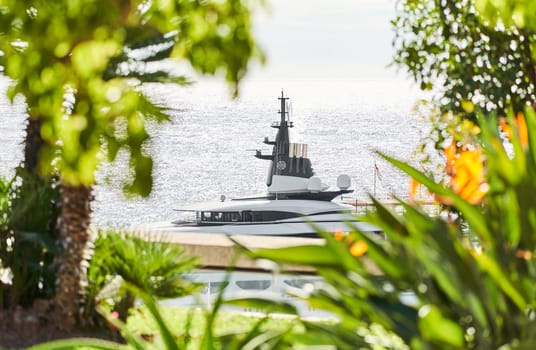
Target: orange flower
[[522, 130], [413, 187], [521, 126], [359, 248], [339, 235], [450, 154], [468, 176], [504, 127]]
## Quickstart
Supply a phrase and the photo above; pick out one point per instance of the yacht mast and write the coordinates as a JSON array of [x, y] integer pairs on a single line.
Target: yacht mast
[[283, 110], [286, 159]]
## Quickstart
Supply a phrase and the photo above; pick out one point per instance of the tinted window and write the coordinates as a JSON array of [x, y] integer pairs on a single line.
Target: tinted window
[[215, 287], [256, 285], [299, 283], [273, 215], [247, 216]]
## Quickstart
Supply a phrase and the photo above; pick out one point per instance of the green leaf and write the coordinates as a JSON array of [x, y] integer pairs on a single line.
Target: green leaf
[[386, 260], [530, 117], [231, 342], [329, 335], [471, 214], [314, 255], [133, 340], [264, 305], [258, 339], [524, 344], [165, 332], [77, 343], [492, 267], [440, 330], [403, 318]]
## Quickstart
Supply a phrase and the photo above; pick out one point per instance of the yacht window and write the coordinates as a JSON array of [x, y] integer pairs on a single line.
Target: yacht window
[[253, 285], [217, 216], [214, 287], [231, 216], [235, 217], [300, 283], [257, 216], [247, 216], [268, 215]]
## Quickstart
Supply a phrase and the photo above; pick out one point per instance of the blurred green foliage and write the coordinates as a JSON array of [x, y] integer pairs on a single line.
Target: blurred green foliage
[[511, 13], [440, 282], [77, 63], [450, 49]]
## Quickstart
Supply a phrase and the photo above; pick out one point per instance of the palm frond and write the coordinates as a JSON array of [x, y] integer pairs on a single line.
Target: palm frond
[[135, 61], [154, 49], [154, 266]]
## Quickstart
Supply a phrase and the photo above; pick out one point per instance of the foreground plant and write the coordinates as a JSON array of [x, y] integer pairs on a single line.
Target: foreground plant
[[168, 337], [453, 281]]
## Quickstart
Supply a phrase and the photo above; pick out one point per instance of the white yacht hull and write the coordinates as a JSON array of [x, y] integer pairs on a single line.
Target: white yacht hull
[[302, 227]]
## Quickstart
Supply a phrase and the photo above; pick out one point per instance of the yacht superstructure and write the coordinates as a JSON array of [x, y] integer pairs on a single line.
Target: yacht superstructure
[[297, 202]]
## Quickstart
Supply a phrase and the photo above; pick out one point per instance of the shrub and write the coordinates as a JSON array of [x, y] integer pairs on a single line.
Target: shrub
[[28, 214], [120, 260]]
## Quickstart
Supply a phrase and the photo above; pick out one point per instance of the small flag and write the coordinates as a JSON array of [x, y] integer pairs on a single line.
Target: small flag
[[377, 170]]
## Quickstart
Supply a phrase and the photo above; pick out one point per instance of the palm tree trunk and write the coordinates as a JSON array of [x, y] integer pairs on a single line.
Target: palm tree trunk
[[32, 145], [73, 261], [34, 208]]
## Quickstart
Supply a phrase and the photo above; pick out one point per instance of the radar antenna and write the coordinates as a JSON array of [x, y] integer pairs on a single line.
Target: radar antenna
[[283, 111]]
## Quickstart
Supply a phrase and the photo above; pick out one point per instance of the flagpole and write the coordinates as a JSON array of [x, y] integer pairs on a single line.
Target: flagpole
[[374, 191]]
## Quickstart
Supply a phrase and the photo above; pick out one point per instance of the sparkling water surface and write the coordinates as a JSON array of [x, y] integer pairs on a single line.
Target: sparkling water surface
[[208, 147]]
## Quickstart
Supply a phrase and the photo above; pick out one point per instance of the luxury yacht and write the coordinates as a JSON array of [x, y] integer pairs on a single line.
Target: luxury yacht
[[296, 203]]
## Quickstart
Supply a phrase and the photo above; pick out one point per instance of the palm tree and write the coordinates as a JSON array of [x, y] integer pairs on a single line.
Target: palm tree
[[123, 261], [71, 280], [74, 80], [75, 218]]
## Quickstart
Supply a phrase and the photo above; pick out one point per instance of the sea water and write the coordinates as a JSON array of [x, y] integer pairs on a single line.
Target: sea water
[[207, 148]]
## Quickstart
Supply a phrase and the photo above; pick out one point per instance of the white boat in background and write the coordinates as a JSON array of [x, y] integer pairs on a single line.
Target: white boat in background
[[297, 202], [290, 289]]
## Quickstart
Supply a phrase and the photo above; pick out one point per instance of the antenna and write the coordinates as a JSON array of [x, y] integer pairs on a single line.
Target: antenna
[[290, 113], [283, 110]]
